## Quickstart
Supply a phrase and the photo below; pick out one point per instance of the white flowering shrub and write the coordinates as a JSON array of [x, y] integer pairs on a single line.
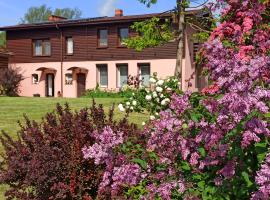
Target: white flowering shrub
[[153, 99]]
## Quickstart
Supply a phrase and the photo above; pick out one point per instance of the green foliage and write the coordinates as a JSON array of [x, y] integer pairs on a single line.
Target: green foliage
[[2, 39], [41, 14], [152, 33], [68, 13], [201, 37], [99, 93], [136, 192], [148, 3], [152, 99]]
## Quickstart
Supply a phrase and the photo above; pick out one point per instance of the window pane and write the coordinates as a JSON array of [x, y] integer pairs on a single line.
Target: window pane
[[123, 35], [47, 48], [103, 75], [123, 75], [38, 48], [34, 78], [69, 45], [145, 74], [103, 37], [69, 79]]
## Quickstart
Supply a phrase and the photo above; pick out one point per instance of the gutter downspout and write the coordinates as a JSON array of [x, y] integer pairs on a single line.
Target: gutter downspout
[[62, 58]]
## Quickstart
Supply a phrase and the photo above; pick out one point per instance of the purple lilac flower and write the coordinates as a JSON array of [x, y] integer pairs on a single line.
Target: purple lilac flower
[[102, 150], [263, 181]]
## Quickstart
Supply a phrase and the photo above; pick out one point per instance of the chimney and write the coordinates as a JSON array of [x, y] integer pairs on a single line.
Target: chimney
[[118, 13], [55, 18]]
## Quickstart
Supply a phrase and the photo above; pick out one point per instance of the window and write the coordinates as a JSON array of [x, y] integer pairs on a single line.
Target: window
[[103, 75], [145, 74], [35, 78], [69, 45], [103, 38], [68, 79], [122, 75], [123, 34], [41, 47]]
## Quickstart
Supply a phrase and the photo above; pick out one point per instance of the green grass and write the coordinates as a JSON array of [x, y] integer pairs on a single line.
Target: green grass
[[13, 109]]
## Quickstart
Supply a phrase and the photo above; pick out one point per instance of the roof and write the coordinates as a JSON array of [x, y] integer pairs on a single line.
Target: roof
[[91, 21]]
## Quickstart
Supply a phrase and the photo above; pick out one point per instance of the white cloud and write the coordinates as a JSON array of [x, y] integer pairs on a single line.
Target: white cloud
[[107, 7]]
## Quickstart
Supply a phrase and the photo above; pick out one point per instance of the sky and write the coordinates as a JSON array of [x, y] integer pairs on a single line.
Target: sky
[[11, 11]]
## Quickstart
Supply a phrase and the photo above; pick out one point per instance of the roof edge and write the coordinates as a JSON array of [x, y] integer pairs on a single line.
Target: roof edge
[[90, 21]]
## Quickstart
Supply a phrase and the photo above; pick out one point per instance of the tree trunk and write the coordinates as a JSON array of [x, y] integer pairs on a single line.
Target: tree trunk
[[180, 40]]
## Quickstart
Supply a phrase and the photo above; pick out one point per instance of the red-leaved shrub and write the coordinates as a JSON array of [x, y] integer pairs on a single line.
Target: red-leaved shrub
[[10, 79], [46, 162]]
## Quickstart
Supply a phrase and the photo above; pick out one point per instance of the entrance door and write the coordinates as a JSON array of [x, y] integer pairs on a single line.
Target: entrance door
[[49, 85], [81, 79]]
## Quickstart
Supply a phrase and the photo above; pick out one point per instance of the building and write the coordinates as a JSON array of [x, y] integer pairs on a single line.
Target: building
[[65, 57], [4, 56]]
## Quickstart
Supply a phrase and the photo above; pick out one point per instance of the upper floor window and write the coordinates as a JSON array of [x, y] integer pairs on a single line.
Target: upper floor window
[[42, 47], [103, 38], [123, 34], [69, 45]]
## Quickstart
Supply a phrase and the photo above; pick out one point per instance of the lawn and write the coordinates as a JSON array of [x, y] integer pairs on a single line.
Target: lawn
[[13, 109]]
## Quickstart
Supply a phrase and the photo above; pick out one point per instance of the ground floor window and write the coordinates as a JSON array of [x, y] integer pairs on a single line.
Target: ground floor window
[[34, 78], [68, 79], [144, 71], [102, 75], [122, 75]]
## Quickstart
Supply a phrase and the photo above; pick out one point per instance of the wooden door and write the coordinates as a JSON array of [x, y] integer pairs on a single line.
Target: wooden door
[[81, 79], [49, 85]]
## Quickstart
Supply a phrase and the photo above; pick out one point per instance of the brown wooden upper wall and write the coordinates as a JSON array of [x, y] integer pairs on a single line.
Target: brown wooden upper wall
[[85, 45], [3, 61]]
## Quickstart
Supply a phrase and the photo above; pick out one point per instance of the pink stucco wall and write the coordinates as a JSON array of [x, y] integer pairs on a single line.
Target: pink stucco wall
[[163, 67], [27, 87]]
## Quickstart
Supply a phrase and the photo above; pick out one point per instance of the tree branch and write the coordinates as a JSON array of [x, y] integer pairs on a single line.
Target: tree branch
[[196, 27]]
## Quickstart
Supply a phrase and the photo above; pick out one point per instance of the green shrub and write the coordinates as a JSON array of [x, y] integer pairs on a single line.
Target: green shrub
[[125, 92]]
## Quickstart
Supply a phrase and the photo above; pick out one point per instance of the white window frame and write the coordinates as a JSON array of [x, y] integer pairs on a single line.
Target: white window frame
[[107, 37], [43, 47], [140, 65], [118, 73], [68, 81], [35, 80], [69, 39], [98, 75]]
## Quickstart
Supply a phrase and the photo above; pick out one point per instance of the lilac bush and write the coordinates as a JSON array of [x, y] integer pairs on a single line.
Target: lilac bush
[[212, 145], [263, 180]]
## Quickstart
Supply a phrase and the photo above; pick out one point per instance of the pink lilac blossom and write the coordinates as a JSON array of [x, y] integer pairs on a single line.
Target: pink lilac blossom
[[164, 190], [240, 72], [263, 181], [236, 73], [126, 175], [102, 150]]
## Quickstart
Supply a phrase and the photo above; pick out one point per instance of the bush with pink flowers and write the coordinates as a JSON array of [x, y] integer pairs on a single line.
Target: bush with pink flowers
[[212, 145]]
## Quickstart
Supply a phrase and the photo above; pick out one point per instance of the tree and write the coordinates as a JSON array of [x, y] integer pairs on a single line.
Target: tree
[[152, 34], [2, 39], [40, 14], [68, 13]]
